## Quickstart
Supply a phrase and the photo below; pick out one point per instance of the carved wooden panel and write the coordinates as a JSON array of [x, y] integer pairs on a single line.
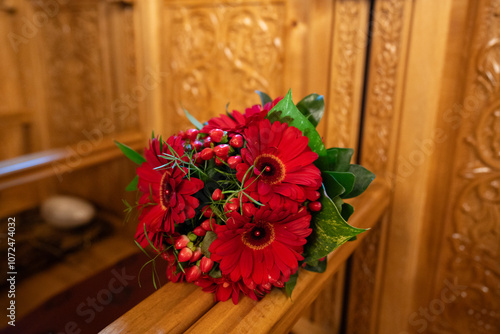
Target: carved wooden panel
[[89, 80], [470, 255], [216, 53], [382, 110]]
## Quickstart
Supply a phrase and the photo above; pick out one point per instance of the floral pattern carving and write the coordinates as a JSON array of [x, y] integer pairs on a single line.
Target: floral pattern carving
[[236, 49], [473, 223]]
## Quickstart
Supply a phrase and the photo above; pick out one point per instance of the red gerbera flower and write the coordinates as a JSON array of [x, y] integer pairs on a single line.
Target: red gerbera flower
[[263, 247], [282, 161], [223, 288], [237, 122], [166, 198]]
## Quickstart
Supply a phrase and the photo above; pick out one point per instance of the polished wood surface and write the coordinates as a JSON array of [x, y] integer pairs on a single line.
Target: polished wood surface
[[412, 85], [178, 308]]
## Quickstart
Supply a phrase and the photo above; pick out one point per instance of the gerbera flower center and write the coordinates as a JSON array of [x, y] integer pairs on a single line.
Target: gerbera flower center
[[259, 237], [166, 191], [271, 169]]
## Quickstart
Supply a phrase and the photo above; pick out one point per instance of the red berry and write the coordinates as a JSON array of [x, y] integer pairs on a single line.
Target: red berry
[[217, 195], [183, 135], [216, 135], [207, 154], [192, 134], [314, 196], [207, 142], [236, 141], [219, 161], [198, 158], [234, 161], [199, 231], [221, 150], [181, 241], [193, 273], [206, 264], [314, 206], [185, 254], [196, 255], [230, 206], [208, 224], [197, 145], [207, 211]]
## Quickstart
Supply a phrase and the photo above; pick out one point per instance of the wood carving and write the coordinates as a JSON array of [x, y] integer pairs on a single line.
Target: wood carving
[[380, 112], [79, 85], [472, 254], [387, 27], [348, 51], [217, 53]]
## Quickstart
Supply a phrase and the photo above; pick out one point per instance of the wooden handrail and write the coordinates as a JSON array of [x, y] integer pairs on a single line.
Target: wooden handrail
[[36, 166], [182, 307]]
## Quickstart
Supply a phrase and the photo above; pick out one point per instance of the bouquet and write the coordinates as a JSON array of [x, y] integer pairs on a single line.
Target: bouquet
[[236, 205]]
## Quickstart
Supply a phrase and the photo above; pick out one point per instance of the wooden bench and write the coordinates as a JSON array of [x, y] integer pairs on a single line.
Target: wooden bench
[[185, 308]]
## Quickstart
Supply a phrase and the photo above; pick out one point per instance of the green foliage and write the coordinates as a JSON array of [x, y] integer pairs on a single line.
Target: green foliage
[[330, 230], [312, 107], [363, 178], [288, 108], [207, 241], [290, 285], [316, 266], [130, 153], [264, 98], [193, 120], [132, 186]]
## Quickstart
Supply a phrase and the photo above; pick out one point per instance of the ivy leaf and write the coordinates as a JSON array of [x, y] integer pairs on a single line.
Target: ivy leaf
[[339, 159], [363, 179], [130, 153], [288, 108], [207, 241], [312, 107], [132, 186], [290, 285], [346, 179], [316, 266], [264, 98], [193, 120], [276, 116], [330, 230]]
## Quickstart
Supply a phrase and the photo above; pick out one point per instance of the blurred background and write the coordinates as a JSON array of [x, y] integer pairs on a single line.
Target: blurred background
[[411, 85]]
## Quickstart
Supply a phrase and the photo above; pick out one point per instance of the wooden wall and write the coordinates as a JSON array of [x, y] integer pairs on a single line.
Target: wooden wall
[[412, 83]]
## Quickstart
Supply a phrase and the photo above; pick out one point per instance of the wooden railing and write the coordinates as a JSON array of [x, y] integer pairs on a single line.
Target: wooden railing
[[184, 308]]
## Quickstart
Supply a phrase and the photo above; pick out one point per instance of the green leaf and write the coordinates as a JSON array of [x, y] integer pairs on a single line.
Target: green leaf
[[316, 266], [290, 285], [130, 153], [363, 179], [347, 211], [132, 186], [207, 241], [330, 230], [288, 108], [193, 120], [264, 98], [276, 116], [312, 106], [332, 186], [346, 179], [339, 159]]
